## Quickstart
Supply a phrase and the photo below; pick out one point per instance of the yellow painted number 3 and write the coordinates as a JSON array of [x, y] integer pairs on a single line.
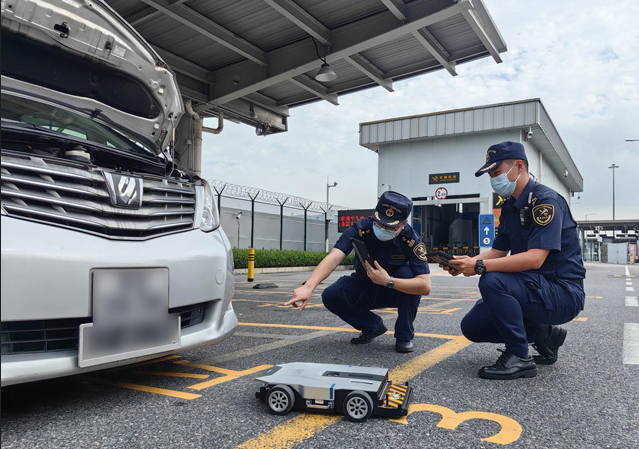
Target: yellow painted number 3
[[510, 429]]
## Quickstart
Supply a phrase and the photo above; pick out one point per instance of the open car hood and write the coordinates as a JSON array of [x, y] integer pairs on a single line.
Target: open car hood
[[81, 54]]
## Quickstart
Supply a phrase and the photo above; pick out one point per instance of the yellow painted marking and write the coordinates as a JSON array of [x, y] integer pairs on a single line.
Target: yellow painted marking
[[150, 362], [435, 298], [215, 369], [580, 319], [173, 374], [426, 310], [337, 329], [228, 374], [173, 393], [290, 433], [302, 427], [595, 297], [282, 306], [416, 365], [510, 429]]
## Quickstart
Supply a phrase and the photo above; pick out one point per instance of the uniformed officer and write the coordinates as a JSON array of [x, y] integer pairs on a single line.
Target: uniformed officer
[[526, 294], [399, 278]]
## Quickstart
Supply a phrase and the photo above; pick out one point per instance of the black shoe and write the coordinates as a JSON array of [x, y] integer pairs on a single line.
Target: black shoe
[[509, 366], [548, 343], [404, 346], [367, 338]]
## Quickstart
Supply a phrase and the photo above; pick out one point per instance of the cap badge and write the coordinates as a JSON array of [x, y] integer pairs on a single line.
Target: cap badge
[[390, 212]]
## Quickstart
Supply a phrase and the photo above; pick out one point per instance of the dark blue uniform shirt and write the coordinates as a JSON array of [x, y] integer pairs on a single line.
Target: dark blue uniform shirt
[[551, 227], [405, 249]]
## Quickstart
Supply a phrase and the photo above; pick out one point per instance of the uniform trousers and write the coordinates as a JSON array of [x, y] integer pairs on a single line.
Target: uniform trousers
[[353, 297], [514, 305]]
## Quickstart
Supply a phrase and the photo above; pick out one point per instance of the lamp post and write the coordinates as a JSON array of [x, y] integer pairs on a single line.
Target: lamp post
[[328, 186], [238, 214], [613, 166]]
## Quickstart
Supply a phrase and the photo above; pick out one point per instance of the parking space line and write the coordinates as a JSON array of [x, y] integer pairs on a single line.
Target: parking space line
[[631, 343], [228, 374], [291, 432], [424, 309], [151, 362], [162, 391], [263, 335], [304, 426], [336, 329], [172, 374]]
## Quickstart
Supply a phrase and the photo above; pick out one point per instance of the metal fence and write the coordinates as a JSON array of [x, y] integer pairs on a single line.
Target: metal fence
[[258, 218]]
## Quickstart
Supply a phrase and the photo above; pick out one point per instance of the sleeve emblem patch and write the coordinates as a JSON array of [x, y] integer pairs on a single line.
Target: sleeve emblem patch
[[543, 214], [420, 251]]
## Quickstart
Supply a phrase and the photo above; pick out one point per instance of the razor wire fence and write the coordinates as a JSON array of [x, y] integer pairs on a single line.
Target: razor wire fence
[[258, 218]]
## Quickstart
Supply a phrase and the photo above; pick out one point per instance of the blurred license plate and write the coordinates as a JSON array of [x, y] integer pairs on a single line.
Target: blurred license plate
[[130, 316]]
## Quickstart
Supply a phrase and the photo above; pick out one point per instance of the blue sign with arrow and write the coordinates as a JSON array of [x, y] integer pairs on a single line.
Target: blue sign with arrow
[[486, 229]]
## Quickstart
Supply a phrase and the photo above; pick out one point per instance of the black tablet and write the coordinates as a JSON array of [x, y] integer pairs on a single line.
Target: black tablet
[[362, 252], [440, 257]]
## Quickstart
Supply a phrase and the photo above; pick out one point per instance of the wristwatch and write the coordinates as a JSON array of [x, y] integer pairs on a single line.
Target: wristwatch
[[480, 268], [390, 283]]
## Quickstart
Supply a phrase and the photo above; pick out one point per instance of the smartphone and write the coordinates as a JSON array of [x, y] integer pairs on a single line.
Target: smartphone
[[440, 257]]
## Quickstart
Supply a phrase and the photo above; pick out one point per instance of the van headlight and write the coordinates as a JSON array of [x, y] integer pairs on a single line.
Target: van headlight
[[210, 218]]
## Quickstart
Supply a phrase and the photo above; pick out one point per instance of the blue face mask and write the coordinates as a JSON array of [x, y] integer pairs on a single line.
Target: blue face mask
[[383, 234], [503, 186]]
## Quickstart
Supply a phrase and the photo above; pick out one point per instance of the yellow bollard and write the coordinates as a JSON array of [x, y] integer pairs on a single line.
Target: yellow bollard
[[251, 264]]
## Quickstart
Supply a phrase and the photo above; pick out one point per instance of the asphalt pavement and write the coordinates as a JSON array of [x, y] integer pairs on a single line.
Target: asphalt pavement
[[205, 397]]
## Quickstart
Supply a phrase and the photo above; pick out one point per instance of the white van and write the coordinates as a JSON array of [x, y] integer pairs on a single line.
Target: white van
[[111, 252]]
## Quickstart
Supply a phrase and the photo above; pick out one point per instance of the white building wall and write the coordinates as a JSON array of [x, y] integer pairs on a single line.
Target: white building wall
[[405, 166], [412, 147]]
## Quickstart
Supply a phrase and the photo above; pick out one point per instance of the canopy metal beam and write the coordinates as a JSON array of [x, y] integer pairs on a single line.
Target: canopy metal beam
[[433, 46], [479, 30], [210, 29], [370, 70], [396, 7], [300, 57], [302, 19], [315, 88]]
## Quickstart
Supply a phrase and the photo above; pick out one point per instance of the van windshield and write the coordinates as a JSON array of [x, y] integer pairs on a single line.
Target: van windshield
[[46, 116]]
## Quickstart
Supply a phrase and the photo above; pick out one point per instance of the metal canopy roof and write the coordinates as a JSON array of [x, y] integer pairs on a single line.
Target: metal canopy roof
[[254, 59], [609, 225]]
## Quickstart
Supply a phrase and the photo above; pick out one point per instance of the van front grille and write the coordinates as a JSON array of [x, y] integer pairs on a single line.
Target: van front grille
[[75, 195], [20, 337]]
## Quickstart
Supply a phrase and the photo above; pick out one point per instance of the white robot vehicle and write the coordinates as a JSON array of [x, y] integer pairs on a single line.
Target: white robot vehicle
[[356, 391]]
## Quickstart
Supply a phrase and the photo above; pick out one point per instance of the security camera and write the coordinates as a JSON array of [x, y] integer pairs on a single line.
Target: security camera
[[261, 129], [527, 135]]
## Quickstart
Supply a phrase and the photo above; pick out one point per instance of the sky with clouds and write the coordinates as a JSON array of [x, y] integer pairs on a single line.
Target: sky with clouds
[[581, 58]]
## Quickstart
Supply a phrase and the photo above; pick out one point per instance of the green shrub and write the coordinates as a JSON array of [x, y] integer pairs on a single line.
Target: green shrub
[[269, 258]]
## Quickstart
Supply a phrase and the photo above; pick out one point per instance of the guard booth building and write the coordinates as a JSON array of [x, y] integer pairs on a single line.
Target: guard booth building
[[432, 159]]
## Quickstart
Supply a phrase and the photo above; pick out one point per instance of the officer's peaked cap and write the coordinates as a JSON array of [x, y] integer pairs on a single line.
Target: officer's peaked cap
[[392, 209], [500, 152]]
